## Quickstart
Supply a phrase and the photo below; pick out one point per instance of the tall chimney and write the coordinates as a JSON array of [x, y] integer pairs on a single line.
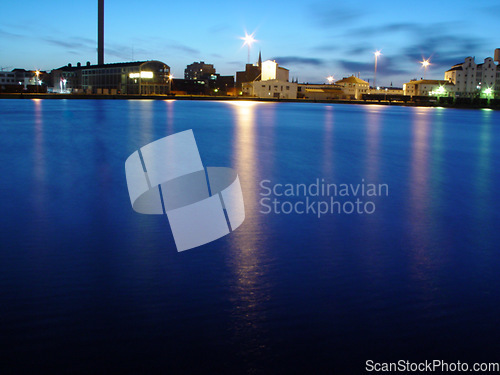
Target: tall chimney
[[100, 33]]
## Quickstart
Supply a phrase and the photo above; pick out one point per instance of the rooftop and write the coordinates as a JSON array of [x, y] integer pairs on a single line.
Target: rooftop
[[352, 79], [431, 82], [111, 65]]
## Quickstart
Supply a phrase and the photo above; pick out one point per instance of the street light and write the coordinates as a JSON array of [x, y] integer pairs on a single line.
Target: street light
[[330, 79], [248, 40], [425, 63], [37, 75], [377, 54]]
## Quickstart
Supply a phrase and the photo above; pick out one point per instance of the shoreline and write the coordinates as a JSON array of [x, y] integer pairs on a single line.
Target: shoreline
[[493, 104]]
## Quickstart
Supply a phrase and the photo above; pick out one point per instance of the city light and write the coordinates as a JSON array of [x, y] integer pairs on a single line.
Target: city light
[[141, 75], [377, 54], [37, 79], [248, 41], [440, 91], [425, 63], [488, 92]]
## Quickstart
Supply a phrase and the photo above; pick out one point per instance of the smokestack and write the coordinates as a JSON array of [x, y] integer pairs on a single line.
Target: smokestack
[[497, 55], [100, 33]]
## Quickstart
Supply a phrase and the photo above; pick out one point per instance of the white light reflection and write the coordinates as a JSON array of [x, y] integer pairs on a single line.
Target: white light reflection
[[249, 258]]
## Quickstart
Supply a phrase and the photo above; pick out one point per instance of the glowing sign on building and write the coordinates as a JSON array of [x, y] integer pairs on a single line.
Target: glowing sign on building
[[141, 75]]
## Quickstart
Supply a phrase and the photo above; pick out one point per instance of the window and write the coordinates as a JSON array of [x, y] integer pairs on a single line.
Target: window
[[288, 87]]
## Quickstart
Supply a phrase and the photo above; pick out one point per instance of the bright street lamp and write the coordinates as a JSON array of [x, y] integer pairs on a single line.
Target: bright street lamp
[[330, 79], [377, 54], [425, 63], [248, 40]]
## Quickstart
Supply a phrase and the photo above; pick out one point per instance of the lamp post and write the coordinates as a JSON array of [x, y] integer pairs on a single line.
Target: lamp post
[[248, 40], [425, 63], [170, 79], [377, 54], [37, 75]]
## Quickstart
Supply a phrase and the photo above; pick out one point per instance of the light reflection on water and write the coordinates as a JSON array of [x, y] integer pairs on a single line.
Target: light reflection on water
[[250, 289]]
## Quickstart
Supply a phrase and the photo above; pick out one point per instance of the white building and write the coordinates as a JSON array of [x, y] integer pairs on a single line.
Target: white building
[[272, 71], [274, 83], [429, 87], [473, 79]]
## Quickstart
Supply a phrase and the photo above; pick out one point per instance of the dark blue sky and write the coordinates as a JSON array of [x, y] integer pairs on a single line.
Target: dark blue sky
[[312, 39]]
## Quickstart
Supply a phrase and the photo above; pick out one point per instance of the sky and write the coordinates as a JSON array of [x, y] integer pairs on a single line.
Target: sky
[[313, 39]]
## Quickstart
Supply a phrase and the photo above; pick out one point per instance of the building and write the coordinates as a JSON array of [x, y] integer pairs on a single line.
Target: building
[[386, 91], [272, 71], [68, 79], [476, 80], [270, 89], [319, 92], [353, 87], [132, 78], [429, 87], [21, 80], [250, 74], [273, 83], [220, 86], [200, 70]]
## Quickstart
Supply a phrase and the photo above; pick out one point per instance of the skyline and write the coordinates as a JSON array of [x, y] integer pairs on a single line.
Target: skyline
[[314, 41]]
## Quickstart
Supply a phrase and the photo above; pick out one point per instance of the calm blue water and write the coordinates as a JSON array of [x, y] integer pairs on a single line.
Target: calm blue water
[[87, 285]]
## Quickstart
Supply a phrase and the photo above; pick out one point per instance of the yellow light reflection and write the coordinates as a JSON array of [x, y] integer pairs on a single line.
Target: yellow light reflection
[[248, 241], [243, 103], [170, 116]]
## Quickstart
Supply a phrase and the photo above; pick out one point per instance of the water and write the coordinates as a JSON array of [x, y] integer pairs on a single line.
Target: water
[[87, 285]]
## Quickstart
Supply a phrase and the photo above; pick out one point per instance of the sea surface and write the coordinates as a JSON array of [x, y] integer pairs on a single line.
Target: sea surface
[[87, 285]]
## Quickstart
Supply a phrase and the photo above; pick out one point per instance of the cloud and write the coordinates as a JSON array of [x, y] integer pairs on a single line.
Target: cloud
[[367, 68], [290, 60], [371, 31], [183, 48], [340, 15], [9, 34], [67, 43], [361, 49], [324, 48]]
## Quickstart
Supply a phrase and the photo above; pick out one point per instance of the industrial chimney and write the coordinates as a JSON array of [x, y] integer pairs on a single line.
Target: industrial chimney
[[497, 55], [100, 33]]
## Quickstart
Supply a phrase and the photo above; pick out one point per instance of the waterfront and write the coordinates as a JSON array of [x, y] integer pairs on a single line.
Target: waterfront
[[86, 283]]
